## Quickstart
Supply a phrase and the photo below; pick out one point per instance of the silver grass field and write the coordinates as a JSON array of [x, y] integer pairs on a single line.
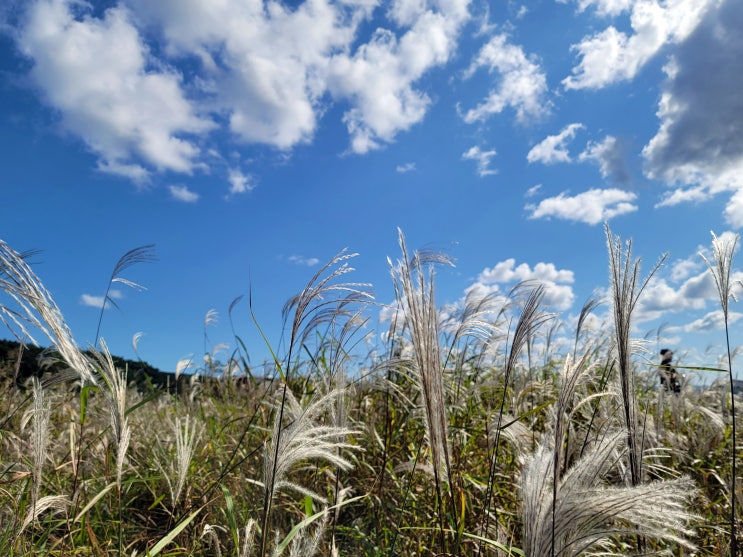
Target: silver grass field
[[469, 431]]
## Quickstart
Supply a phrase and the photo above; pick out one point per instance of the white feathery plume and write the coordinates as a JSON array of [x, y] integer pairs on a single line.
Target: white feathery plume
[[304, 438], [37, 309], [116, 396]]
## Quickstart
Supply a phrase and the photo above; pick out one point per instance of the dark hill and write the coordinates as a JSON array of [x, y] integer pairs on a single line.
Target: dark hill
[[34, 363]]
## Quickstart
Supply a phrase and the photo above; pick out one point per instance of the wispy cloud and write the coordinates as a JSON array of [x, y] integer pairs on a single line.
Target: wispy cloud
[[482, 158], [303, 261], [553, 148], [405, 168], [591, 207], [97, 301], [182, 193]]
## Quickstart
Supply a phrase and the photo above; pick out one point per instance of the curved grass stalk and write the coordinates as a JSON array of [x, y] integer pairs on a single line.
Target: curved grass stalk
[[723, 249]]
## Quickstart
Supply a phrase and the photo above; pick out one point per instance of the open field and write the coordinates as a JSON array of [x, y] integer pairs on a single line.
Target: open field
[[467, 433]]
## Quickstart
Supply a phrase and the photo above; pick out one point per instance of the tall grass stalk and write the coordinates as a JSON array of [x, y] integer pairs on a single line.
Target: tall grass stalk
[[415, 288], [723, 249], [321, 301], [532, 317], [142, 254], [116, 392], [626, 289], [39, 415]]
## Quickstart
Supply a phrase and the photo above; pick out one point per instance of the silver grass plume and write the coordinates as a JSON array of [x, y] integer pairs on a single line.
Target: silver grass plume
[[303, 437], [626, 289], [321, 301], [142, 254], [415, 291], [723, 249], [37, 310], [568, 513], [588, 513], [54, 503], [39, 415], [116, 385], [187, 433], [532, 317]]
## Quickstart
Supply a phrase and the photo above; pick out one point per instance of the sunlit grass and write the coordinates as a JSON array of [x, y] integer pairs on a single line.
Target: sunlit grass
[[450, 439]]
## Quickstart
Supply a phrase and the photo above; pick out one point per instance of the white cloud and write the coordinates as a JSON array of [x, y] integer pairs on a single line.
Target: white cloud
[[532, 191], [182, 193], [482, 158], [611, 55], [609, 154], [100, 77], [97, 301], [553, 148], [266, 70], [592, 207], [558, 292], [712, 321], [405, 168], [604, 7], [379, 77], [304, 261], [687, 285], [522, 85], [240, 182]]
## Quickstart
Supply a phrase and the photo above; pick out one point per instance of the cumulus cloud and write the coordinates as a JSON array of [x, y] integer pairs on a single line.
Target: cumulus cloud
[[712, 321], [558, 292], [686, 285], [591, 207], [98, 301], [553, 148], [482, 158], [98, 75], [521, 84], [240, 182], [265, 70], [698, 149], [609, 154], [182, 193], [612, 55], [378, 78]]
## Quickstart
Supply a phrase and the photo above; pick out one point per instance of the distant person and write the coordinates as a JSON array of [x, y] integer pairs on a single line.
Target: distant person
[[670, 380]]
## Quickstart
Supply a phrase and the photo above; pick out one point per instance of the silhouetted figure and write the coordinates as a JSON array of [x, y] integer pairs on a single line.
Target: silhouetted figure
[[669, 377]]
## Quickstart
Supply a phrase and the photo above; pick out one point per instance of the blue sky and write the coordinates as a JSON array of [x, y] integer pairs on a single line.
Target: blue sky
[[251, 141]]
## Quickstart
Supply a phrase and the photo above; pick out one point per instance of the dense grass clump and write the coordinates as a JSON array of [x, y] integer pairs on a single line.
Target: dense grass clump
[[465, 432]]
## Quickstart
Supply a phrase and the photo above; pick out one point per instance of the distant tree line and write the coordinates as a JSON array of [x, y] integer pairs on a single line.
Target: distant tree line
[[36, 361]]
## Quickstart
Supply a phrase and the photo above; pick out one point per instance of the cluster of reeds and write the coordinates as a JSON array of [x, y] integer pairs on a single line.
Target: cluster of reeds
[[464, 433]]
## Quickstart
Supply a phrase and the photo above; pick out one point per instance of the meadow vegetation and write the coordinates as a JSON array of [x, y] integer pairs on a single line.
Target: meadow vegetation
[[461, 431]]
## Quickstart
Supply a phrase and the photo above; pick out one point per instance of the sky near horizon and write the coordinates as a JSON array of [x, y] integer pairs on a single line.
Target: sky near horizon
[[251, 141]]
